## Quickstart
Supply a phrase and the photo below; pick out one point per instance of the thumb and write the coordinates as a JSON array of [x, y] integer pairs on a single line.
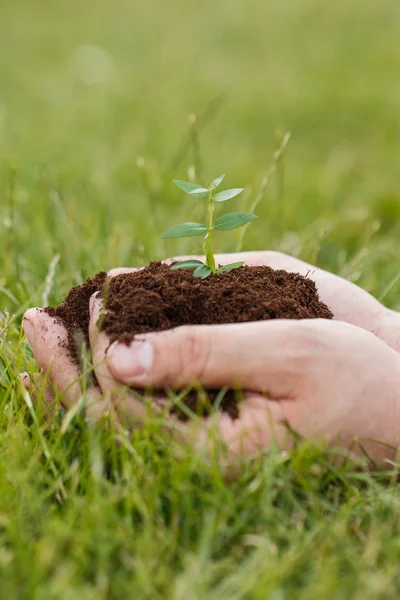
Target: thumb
[[260, 356]]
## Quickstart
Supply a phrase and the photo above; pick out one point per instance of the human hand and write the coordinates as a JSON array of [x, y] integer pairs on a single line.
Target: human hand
[[60, 381], [348, 302], [327, 380]]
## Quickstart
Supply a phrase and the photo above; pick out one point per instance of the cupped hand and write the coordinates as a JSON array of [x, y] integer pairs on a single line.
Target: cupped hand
[[47, 337], [326, 379], [60, 380], [347, 301]]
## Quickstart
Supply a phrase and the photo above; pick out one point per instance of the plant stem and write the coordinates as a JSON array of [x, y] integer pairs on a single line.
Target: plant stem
[[210, 211], [210, 260]]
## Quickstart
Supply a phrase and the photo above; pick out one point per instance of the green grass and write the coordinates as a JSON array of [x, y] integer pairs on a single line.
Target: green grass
[[85, 89]]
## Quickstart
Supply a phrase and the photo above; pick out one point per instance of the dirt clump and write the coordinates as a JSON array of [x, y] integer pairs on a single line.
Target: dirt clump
[[156, 299]]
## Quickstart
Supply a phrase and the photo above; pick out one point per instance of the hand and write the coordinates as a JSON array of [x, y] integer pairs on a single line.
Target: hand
[[60, 381], [347, 301], [326, 379]]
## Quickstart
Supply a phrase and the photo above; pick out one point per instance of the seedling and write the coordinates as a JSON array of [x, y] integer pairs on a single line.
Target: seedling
[[224, 223]]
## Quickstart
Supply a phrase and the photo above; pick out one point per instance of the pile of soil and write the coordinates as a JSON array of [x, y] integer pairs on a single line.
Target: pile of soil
[[156, 299]]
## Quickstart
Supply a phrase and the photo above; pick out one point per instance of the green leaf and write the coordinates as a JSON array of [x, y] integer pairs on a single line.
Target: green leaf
[[185, 230], [187, 264], [186, 186], [214, 184], [230, 267], [227, 194], [202, 272], [233, 221], [199, 192]]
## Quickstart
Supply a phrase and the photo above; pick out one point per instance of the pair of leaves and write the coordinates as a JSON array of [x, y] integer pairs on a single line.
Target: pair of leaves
[[190, 187], [193, 189], [197, 191], [201, 270], [217, 181], [224, 223]]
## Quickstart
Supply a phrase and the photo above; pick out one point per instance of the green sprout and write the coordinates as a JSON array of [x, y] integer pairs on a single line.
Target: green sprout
[[223, 223]]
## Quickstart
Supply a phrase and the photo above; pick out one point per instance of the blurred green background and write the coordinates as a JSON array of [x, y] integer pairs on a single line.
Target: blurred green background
[[87, 88], [95, 100]]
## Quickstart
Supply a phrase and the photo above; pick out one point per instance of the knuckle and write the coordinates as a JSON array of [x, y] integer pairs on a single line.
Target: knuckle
[[193, 353], [303, 346]]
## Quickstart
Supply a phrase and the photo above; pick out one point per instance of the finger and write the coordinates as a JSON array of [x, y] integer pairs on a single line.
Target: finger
[[124, 402], [25, 379], [259, 356], [38, 380], [260, 425], [263, 424], [347, 301], [42, 395], [49, 341]]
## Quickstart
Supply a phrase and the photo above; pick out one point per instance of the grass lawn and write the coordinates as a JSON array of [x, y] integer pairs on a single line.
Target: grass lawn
[[87, 88]]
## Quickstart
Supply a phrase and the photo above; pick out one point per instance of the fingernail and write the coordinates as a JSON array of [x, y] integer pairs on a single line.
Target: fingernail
[[133, 361], [29, 331]]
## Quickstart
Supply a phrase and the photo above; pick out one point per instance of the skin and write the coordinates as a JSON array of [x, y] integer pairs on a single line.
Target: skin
[[335, 380]]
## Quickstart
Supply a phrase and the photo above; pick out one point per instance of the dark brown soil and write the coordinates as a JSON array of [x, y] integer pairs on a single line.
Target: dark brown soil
[[74, 312], [156, 298]]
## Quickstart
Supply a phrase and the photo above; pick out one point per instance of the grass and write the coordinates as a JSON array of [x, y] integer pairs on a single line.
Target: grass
[[87, 89]]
